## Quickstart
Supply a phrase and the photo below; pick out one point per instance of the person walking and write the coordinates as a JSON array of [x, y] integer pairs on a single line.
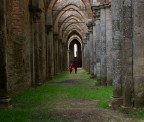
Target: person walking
[[75, 64], [71, 68]]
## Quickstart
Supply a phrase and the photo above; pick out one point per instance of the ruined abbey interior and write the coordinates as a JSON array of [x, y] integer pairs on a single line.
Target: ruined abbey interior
[[37, 39]]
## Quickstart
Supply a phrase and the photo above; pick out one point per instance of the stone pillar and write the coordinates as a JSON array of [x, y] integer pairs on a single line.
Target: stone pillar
[[48, 63], [90, 43], [5, 100], [51, 50], [60, 55], [96, 38], [84, 54], [109, 44], [88, 54], [68, 51], [35, 46], [116, 100], [138, 50], [55, 52], [57, 59], [127, 57], [98, 47], [103, 45], [64, 56], [94, 47], [36, 21]]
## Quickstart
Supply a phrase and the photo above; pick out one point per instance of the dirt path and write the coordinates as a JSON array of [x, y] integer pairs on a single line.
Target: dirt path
[[84, 110]]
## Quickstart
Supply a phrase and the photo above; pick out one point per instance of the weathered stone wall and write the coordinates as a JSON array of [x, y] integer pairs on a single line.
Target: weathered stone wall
[[109, 44], [138, 50], [127, 37], [18, 44], [26, 54]]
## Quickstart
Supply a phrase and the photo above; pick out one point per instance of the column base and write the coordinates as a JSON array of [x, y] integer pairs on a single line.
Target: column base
[[5, 103], [116, 102]]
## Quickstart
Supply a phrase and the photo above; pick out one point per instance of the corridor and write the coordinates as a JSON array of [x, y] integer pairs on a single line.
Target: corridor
[[66, 98], [41, 38]]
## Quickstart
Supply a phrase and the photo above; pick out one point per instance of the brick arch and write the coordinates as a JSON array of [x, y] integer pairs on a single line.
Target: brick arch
[[86, 3], [75, 6], [70, 19], [73, 37], [71, 33], [62, 13], [68, 7], [70, 39], [71, 27]]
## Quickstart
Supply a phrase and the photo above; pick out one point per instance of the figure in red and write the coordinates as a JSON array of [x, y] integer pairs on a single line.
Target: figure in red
[[75, 64], [71, 68]]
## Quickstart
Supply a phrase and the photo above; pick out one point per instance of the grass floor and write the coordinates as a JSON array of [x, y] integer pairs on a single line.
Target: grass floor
[[33, 104]]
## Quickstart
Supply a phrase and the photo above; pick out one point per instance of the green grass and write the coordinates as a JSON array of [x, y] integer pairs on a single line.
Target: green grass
[[136, 114], [33, 104]]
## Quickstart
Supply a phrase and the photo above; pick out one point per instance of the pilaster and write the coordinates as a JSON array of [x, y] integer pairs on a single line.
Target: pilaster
[[117, 99], [36, 14], [96, 14], [5, 100]]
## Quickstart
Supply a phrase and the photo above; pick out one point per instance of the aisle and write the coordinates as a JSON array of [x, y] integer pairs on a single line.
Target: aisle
[[66, 98]]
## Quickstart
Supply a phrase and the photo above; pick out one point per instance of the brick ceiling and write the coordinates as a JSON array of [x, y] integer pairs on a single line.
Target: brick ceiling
[[70, 17]]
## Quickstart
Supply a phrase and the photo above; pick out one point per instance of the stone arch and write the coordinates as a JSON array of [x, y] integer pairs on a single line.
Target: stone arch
[[74, 37], [81, 15], [86, 3], [67, 7], [71, 33], [70, 19], [73, 28], [70, 40]]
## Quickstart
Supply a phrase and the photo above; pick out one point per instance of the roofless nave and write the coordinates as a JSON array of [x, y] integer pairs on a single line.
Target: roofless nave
[[37, 39]]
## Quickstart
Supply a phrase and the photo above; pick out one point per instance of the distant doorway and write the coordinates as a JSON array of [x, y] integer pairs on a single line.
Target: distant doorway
[[75, 52]]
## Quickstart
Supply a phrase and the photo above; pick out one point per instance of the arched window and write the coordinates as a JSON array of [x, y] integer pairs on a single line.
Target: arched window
[[75, 50]]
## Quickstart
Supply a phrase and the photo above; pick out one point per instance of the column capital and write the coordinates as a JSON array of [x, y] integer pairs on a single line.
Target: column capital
[[35, 9], [90, 25], [96, 12]]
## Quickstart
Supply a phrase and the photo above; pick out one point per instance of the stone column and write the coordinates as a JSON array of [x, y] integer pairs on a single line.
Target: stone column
[[50, 56], [96, 37], [138, 50], [103, 45], [55, 52], [98, 47], [51, 49], [65, 57], [94, 47], [109, 44], [83, 53], [57, 59], [5, 100], [127, 57], [90, 43], [36, 49], [88, 54], [116, 100], [60, 55], [48, 63]]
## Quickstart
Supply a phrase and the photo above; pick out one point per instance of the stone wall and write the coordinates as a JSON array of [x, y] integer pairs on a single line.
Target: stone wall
[[18, 44]]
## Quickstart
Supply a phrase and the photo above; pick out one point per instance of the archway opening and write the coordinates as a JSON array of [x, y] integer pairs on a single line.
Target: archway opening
[[75, 52]]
